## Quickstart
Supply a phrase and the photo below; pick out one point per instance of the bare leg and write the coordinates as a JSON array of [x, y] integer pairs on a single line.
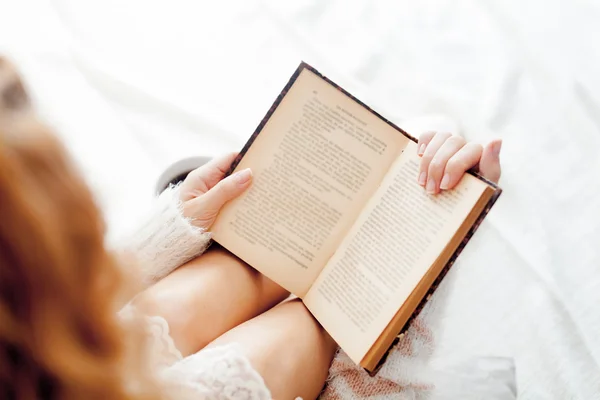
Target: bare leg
[[207, 297], [288, 348], [218, 299]]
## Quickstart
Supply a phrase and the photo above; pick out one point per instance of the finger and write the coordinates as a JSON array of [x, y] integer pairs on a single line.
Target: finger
[[489, 166], [224, 191], [466, 158], [438, 164], [432, 147], [203, 178], [424, 140]]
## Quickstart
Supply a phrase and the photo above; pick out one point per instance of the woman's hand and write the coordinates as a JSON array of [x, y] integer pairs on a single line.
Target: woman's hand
[[446, 158], [204, 191]]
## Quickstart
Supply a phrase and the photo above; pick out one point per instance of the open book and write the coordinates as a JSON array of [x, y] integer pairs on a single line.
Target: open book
[[335, 214]]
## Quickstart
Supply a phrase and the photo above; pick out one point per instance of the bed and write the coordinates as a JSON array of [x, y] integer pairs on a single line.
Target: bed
[[134, 85]]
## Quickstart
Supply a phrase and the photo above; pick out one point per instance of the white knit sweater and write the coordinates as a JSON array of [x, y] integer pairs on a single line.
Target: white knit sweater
[[166, 239]]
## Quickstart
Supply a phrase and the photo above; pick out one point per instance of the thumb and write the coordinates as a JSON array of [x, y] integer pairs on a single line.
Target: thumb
[[225, 190], [489, 165]]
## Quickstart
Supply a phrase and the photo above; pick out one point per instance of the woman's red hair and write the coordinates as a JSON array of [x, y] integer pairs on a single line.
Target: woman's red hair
[[59, 335]]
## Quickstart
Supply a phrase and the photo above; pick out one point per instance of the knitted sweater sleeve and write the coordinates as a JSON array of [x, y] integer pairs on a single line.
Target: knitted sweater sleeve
[[166, 239]]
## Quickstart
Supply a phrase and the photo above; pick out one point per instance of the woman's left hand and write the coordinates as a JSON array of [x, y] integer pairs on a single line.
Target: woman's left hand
[[445, 158], [204, 191]]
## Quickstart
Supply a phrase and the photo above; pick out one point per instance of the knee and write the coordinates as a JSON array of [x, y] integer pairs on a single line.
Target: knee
[[163, 303]]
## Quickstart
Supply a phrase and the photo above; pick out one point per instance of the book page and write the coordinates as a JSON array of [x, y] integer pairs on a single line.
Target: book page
[[396, 239], [316, 162]]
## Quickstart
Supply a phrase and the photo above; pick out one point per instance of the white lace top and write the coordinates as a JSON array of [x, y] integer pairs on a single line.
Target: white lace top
[[163, 243]]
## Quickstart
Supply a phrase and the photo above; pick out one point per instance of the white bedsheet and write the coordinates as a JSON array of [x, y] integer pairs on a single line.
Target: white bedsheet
[[133, 85]]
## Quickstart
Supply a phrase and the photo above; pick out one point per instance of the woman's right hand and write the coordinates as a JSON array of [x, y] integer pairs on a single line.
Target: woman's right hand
[[204, 191]]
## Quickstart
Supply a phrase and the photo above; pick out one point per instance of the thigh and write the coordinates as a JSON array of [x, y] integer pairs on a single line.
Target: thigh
[[208, 296], [289, 349]]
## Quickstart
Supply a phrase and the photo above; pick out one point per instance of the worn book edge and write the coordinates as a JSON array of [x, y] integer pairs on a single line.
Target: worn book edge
[[374, 358], [419, 297]]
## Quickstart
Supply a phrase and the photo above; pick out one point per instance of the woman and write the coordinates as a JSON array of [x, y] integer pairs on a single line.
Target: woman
[[205, 327]]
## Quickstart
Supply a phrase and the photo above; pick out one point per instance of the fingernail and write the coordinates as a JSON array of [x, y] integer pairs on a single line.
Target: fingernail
[[421, 149], [430, 186], [497, 148], [242, 177], [422, 178], [445, 182]]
